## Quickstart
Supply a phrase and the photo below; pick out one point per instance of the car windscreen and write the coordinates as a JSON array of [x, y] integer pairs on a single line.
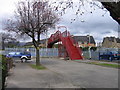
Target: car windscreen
[[18, 53], [12, 53], [114, 52], [26, 53]]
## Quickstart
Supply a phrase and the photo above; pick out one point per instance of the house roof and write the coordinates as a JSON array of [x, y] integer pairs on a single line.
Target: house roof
[[84, 39], [28, 43], [43, 41], [112, 39]]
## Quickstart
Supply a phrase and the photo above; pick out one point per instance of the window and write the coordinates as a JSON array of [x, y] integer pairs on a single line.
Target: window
[[12, 53], [79, 42], [17, 53]]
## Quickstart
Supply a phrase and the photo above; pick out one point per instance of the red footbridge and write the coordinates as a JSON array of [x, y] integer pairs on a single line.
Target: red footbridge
[[67, 48]]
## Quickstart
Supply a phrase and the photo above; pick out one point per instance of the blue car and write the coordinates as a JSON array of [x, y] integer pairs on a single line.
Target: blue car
[[24, 56], [113, 55]]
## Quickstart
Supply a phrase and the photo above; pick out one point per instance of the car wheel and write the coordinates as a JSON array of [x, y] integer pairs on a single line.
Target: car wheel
[[23, 59], [118, 58]]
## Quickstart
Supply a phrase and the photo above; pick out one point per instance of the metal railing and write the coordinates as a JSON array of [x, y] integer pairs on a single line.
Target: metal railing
[[44, 52]]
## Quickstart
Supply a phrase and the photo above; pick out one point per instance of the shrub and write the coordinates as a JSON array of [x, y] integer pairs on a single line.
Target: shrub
[[93, 48], [4, 67], [87, 48]]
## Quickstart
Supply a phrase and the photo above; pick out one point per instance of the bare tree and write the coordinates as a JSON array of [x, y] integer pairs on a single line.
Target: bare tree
[[6, 37], [113, 7], [33, 18]]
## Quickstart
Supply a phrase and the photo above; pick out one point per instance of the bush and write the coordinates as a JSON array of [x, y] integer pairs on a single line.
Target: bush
[[87, 48], [84, 48], [93, 48], [4, 67]]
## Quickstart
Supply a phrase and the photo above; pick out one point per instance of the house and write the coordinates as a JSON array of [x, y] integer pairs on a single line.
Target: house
[[85, 41], [42, 43], [111, 42]]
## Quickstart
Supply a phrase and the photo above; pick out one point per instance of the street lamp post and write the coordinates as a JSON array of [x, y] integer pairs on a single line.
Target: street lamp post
[[46, 44], [99, 46], [89, 47]]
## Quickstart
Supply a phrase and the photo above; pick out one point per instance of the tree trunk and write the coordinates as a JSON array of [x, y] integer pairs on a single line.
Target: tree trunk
[[37, 57], [3, 45]]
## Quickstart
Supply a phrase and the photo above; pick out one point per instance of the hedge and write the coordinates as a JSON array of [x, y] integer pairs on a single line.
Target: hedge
[[5, 65]]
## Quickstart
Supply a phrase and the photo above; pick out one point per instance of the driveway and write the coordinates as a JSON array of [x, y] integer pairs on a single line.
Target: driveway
[[65, 74]]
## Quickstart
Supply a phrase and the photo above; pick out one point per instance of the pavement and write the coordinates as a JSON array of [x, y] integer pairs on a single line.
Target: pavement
[[62, 74], [23, 76]]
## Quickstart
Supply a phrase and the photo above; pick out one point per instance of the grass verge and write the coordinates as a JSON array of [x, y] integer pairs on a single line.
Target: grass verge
[[105, 64], [38, 67]]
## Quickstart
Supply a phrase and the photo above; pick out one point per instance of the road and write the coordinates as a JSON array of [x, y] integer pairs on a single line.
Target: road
[[84, 75], [60, 73]]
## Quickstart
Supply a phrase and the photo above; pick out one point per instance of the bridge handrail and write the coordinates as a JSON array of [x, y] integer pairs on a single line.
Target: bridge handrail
[[59, 35], [54, 36], [75, 43]]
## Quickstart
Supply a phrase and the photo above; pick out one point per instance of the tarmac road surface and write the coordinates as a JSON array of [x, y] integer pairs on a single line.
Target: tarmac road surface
[[62, 74]]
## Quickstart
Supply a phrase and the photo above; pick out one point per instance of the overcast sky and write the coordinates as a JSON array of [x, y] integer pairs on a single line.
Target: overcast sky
[[88, 23]]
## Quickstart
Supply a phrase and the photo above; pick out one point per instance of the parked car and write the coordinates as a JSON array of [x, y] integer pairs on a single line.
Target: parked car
[[24, 56], [113, 55]]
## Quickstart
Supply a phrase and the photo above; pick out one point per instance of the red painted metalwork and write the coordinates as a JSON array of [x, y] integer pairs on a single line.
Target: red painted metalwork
[[72, 49]]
